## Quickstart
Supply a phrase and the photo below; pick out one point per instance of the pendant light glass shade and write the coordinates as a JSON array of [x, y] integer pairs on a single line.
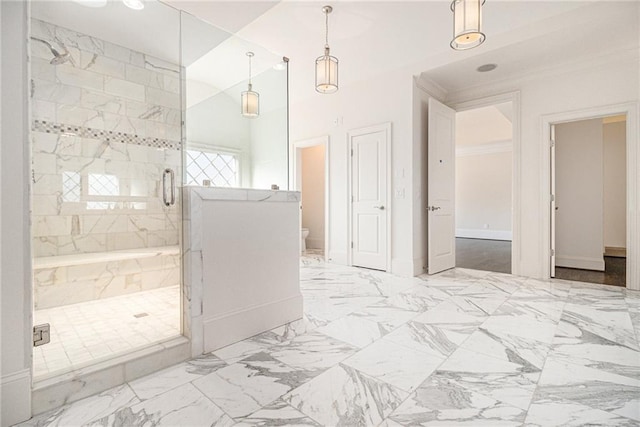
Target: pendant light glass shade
[[250, 103], [327, 65], [467, 23], [327, 73], [250, 100]]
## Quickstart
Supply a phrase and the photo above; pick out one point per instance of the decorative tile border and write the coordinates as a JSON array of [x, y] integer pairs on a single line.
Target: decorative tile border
[[107, 135]]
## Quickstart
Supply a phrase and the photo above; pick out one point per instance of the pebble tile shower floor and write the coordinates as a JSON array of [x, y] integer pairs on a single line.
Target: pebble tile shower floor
[[460, 348], [96, 330]]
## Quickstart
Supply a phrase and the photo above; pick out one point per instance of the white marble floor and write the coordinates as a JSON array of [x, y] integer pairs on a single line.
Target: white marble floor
[[460, 348], [91, 331]]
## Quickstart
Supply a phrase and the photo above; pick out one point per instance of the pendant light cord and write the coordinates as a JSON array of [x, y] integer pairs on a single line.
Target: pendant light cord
[[326, 30], [249, 69]]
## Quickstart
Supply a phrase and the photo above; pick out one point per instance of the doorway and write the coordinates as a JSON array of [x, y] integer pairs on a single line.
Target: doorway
[[484, 187], [311, 178], [589, 188]]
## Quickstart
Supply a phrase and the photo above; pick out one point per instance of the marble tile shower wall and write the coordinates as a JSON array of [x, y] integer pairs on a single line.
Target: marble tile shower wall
[[105, 124]]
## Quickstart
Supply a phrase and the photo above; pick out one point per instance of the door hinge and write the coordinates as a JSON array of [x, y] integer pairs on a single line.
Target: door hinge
[[552, 143], [41, 334], [553, 198], [553, 252], [351, 199], [352, 152], [351, 245]]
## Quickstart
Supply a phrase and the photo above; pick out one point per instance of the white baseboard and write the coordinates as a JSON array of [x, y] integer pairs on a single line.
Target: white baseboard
[[484, 234], [580, 262], [16, 397], [242, 324], [336, 257]]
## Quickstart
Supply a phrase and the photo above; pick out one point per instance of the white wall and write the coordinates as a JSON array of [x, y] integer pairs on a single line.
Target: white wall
[[15, 354], [313, 194], [483, 195], [615, 185], [579, 195], [356, 106], [576, 87]]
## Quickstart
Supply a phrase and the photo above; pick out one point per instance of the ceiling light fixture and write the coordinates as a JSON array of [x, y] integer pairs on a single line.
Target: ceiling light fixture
[[467, 23], [326, 65], [486, 67], [249, 99], [134, 4]]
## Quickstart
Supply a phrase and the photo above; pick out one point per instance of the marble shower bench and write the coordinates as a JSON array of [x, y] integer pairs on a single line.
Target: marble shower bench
[[242, 263], [69, 279]]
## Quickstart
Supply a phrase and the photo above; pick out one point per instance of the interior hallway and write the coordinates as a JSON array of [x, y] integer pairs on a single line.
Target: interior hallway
[[462, 347]]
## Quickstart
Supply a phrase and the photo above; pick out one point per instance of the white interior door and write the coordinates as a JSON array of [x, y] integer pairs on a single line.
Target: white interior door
[[553, 208], [441, 187], [369, 207]]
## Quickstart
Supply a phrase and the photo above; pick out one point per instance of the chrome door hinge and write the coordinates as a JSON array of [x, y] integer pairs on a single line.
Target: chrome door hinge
[[41, 334]]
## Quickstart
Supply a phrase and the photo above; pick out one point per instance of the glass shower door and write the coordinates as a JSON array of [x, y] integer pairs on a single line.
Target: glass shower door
[[106, 153]]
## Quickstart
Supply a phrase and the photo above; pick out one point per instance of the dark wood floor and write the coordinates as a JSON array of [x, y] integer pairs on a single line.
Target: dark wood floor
[[495, 255], [615, 273], [485, 255]]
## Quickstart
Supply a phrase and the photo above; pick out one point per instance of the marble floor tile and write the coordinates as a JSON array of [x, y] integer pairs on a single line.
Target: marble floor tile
[[87, 410], [560, 413], [392, 363], [346, 397], [182, 406], [590, 387], [582, 347], [418, 298], [428, 339], [441, 402], [167, 379], [505, 381], [246, 386], [313, 352], [458, 348], [608, 320], [277, 413]]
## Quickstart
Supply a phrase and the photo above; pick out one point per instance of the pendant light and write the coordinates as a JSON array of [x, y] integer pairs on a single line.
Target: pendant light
[[467, 23], [250, 100], [326, 65]]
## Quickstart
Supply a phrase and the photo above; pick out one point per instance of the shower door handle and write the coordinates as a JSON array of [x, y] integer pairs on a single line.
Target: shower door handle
[[171, 200]]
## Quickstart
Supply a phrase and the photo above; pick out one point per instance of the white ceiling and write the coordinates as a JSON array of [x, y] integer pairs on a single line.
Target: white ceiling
[[484, 125], [370, 38]]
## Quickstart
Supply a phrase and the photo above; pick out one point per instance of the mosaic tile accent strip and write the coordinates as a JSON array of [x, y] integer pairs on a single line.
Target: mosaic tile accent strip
[[107, 135]]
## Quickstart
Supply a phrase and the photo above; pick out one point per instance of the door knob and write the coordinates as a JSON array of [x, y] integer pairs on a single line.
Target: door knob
[[379, 207], [433, 208]]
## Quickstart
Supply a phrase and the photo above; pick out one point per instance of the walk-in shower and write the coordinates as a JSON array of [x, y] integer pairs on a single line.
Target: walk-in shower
[[106, 130]]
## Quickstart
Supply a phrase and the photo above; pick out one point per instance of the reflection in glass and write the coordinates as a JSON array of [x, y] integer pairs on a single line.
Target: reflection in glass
[[213, 100]]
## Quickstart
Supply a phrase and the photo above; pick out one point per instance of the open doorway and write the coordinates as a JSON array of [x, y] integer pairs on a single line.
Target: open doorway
[[484, 188], [311, 178], [589, 173]]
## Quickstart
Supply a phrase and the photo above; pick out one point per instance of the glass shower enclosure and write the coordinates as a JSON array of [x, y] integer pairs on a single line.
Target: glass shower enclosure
[[106, 132]]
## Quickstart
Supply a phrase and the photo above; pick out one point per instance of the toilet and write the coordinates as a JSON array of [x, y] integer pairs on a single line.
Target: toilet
[[303, 235]]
